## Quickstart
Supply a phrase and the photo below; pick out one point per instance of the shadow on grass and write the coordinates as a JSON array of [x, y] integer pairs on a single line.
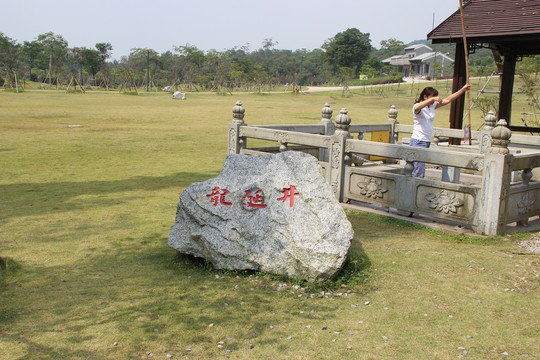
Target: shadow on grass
[[371, 226], [146, 289], [138, 286], [28, 199]]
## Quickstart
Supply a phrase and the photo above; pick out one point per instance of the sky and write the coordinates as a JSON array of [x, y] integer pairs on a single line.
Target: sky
[[218, 24]]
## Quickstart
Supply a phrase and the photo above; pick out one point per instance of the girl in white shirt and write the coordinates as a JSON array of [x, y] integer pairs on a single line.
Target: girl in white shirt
[[423, 116]]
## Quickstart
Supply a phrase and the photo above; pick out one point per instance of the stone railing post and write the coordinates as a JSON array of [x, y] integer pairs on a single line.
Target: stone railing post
[[326, 120], [491, 212], [329, 128], [394, 135], [485, 134], [406, 186], [343, 123], [236, 143], [337, 156], [392, 120]]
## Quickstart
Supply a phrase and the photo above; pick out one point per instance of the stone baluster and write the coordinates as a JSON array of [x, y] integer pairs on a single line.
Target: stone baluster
[[490, 120], [495, 190], [343, 123], [500, 138], [394, 135], [337, 156], [526, 176], [326, 120], [392, 119], [329, 129], [236, 143], [485, 135], [408, 168]]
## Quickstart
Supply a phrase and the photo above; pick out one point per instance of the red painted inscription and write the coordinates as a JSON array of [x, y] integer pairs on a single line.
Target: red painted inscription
[[289, 194], [218, 196], [255, 201]]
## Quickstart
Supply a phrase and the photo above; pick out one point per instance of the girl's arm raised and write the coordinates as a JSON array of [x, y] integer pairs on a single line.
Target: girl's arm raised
[[422, 104], [454, 96]]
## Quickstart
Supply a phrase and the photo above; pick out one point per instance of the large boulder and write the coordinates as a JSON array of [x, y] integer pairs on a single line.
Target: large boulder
[[273, 213]]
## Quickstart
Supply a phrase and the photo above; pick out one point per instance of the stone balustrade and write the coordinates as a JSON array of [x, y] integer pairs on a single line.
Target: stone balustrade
[[485, 197]]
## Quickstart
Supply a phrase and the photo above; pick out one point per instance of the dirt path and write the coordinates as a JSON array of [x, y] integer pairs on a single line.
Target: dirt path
[[338, 88]]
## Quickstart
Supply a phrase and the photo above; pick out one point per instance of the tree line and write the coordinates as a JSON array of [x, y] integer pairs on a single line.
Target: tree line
[[50, 61]]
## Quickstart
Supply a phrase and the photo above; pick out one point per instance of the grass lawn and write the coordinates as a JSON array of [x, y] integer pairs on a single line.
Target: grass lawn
[[85, 213]]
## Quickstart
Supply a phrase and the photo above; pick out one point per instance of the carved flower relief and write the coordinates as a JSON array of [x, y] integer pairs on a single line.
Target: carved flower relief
[[444, 201], [372, 188], [526, 203]]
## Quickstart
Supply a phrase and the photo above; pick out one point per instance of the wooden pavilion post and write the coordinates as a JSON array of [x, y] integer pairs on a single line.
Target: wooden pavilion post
[[507, 87], [459, 80]]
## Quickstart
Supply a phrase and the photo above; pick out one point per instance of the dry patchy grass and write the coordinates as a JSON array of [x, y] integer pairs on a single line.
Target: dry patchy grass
[[85, 217]]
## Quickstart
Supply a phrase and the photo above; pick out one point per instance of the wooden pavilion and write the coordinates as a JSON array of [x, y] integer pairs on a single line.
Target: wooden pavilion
[[510, 28]]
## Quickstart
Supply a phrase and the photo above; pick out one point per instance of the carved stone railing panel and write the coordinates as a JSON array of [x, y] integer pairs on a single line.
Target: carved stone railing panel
[[371, 188], [523, 202], [447, 202], [408, 194]]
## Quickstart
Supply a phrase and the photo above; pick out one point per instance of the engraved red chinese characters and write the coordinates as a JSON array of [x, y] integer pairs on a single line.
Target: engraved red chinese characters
[[289, 194], [254, 201], [218, 196]]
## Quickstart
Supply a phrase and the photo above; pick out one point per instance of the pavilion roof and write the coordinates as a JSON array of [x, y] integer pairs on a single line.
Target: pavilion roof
[[514, 23]]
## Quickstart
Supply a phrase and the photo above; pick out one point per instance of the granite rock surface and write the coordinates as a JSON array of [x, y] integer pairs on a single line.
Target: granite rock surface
[[271, 213]]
